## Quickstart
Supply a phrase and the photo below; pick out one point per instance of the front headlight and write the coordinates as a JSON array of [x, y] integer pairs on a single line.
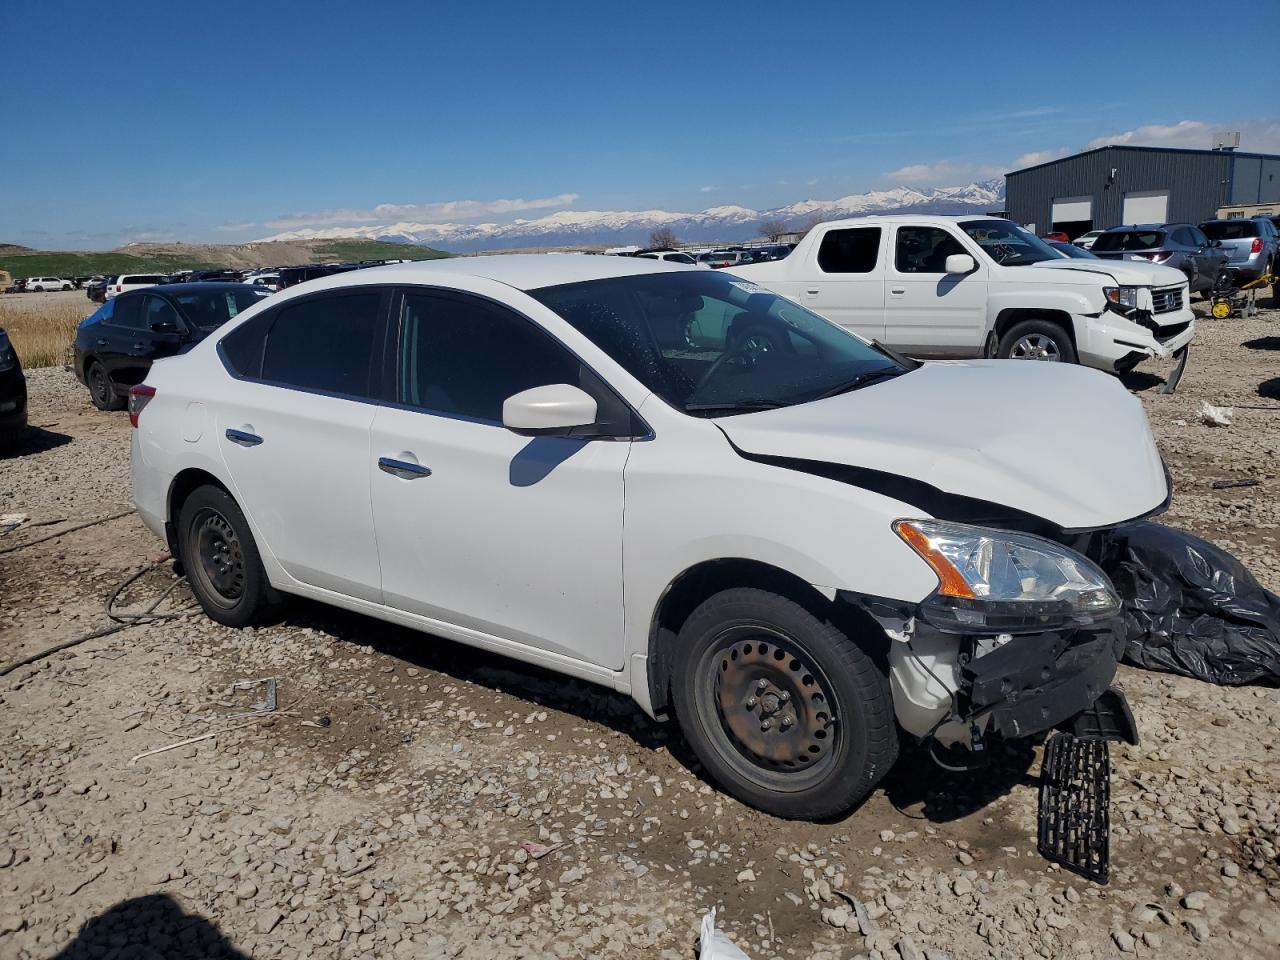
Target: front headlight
[[1126, 297], [1001, 581]]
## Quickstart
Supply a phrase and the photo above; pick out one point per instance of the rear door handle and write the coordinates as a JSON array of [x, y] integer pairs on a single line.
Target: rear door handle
[[244, 438], [812, 293], [403, 469], [898, 291], [102, 341]]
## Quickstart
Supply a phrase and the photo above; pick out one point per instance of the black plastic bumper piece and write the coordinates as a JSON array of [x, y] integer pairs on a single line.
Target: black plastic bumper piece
[[1107, 718], [1035, 684], [1074, 822]]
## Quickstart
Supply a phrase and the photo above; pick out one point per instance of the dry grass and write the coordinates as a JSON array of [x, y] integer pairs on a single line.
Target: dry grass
[[42, 333]]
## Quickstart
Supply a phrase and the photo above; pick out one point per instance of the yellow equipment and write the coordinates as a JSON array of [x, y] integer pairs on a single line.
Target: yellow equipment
[[1229, 301]]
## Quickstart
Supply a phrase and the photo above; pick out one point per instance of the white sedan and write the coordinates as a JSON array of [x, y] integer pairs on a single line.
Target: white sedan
[[669, 481]]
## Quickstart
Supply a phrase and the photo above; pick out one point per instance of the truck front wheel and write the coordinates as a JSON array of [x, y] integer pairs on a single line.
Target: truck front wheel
[[784, 710], [1036, 340]]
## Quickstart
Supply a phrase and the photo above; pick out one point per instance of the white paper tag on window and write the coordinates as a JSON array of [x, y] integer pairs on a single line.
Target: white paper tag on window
[[746, 286]]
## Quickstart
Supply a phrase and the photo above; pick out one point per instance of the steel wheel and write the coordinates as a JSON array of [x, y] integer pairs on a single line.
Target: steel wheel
[[774, 704], [1035, 346], [220, 558]]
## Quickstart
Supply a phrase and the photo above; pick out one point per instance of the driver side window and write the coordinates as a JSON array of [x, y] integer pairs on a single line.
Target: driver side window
[[924, 249]]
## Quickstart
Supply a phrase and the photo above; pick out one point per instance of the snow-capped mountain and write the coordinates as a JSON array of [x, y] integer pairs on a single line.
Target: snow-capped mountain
[[724, 224]]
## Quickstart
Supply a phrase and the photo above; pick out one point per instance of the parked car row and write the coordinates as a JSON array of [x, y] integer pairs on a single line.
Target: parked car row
[[1249, 248]]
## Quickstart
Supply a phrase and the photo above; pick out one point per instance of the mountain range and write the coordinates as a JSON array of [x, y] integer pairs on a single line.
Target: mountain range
[[724, 224]]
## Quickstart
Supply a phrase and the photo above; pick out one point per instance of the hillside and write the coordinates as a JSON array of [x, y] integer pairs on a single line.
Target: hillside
[[168, 257]]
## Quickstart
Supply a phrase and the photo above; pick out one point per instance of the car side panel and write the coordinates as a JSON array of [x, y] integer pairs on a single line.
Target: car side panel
[[718, 505]]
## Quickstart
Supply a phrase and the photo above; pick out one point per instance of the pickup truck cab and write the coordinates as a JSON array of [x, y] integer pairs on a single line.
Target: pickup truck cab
[[964, 287]]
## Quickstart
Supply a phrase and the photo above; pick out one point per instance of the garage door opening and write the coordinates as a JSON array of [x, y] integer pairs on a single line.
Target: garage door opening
[[1072, 215], [1146, 206]]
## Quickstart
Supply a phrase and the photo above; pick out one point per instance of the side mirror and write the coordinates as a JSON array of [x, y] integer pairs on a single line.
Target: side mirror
[[164, 326], [960, 263], [553, 410]]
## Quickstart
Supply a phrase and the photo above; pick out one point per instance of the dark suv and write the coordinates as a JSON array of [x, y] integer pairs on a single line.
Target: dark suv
[[1182, 246], [13, 395], [114, 348]]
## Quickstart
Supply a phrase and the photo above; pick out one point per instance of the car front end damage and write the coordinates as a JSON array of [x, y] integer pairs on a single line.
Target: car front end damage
[[1021, 638], [1136, 323]]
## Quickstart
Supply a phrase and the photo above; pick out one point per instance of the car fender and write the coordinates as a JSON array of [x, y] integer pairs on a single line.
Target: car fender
[[830, 535], [1078, 302]]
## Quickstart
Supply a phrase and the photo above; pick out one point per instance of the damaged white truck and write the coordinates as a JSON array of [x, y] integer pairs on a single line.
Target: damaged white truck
[[804, 552], [963, 287]]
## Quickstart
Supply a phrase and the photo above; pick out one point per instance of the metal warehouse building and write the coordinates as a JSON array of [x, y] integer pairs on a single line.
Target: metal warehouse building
[[1115, 185]]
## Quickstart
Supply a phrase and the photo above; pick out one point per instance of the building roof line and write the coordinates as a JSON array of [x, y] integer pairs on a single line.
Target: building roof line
[[1142, 149]]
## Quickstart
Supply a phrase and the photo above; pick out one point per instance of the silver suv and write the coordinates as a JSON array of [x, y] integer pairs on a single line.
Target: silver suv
[[1253, 245], [1179, 245]]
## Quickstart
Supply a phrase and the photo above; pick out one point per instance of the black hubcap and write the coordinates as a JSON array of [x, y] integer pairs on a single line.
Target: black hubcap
[[774, 703], [221, 561]]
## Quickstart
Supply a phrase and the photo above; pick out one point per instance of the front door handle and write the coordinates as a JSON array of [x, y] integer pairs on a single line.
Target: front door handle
[[898, 291], [403, 469], [102, 341], [244, 438]]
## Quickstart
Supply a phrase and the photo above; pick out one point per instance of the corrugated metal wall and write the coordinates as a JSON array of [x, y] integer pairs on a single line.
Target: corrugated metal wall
[[1197, 184]]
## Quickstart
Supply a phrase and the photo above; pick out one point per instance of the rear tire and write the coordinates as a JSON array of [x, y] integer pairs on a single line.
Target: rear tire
[[783, 709], [101, 390], [1037, 340], [221, 560]]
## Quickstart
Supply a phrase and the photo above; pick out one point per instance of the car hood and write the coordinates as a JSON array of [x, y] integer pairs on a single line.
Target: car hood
[[1126, 272], [1063, 443]]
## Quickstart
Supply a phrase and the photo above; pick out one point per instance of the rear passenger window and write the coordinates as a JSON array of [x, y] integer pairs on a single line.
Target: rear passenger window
[[849, 251], [324, 343], [462, 356], [128, 313]]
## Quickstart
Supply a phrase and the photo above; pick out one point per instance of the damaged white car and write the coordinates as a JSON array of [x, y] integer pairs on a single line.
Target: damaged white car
[[672, 482]]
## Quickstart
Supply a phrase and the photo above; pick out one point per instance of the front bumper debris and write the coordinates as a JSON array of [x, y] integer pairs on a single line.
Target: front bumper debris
[[1073, 826], [1033, 684]]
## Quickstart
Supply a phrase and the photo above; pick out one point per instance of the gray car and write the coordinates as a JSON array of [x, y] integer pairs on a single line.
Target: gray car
[[1253, 245], [1182, 246]]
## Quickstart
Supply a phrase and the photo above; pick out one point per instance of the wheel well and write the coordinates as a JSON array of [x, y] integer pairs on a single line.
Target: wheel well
[[184, 484], [1007, 318], [687, 591]]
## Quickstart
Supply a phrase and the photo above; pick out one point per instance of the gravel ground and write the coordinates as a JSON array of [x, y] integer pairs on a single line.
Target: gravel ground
[[411, 798]]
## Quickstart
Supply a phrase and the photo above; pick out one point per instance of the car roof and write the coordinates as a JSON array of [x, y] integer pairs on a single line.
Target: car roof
[[524, 271], [176, 288]]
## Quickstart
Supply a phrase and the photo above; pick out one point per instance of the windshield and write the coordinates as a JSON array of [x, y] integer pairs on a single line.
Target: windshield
[[1123, 240], [1230, 229], [1071, 251], [208, 309], [1008, 244], [710, 344]]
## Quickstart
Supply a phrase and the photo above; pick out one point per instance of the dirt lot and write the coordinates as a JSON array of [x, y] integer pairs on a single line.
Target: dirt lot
[[410, 798]]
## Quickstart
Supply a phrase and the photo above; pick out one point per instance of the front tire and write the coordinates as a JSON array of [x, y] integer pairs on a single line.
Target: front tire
[[1037, 340], [221, 560], [783, 709], [101, 390]]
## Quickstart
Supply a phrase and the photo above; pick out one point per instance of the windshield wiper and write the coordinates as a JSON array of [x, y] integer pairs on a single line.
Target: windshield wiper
[[749, 403], [861, 380]]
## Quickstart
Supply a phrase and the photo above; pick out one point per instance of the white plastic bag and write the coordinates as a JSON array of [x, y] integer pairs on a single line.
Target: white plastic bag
[[714, 945]]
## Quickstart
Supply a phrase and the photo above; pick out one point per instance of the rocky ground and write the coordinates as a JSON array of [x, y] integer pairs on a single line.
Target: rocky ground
[[411, 798]]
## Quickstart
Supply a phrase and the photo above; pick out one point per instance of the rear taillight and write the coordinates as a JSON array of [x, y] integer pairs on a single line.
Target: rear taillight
[[139, 397], [1257, 245]]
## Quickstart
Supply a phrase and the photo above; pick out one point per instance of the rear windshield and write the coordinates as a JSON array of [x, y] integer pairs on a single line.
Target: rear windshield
[[1129, 240], [1230, 229], [208, 309], [142, 278]]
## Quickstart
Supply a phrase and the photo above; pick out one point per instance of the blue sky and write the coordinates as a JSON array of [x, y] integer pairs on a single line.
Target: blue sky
[[233, 121]]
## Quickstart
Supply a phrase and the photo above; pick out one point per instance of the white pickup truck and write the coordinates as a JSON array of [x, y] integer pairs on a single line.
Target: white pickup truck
[[957, 287]]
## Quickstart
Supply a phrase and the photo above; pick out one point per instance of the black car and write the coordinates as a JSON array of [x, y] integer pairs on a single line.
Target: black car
[[114, 348], [289, 276], [13, 395], [96, 290]]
